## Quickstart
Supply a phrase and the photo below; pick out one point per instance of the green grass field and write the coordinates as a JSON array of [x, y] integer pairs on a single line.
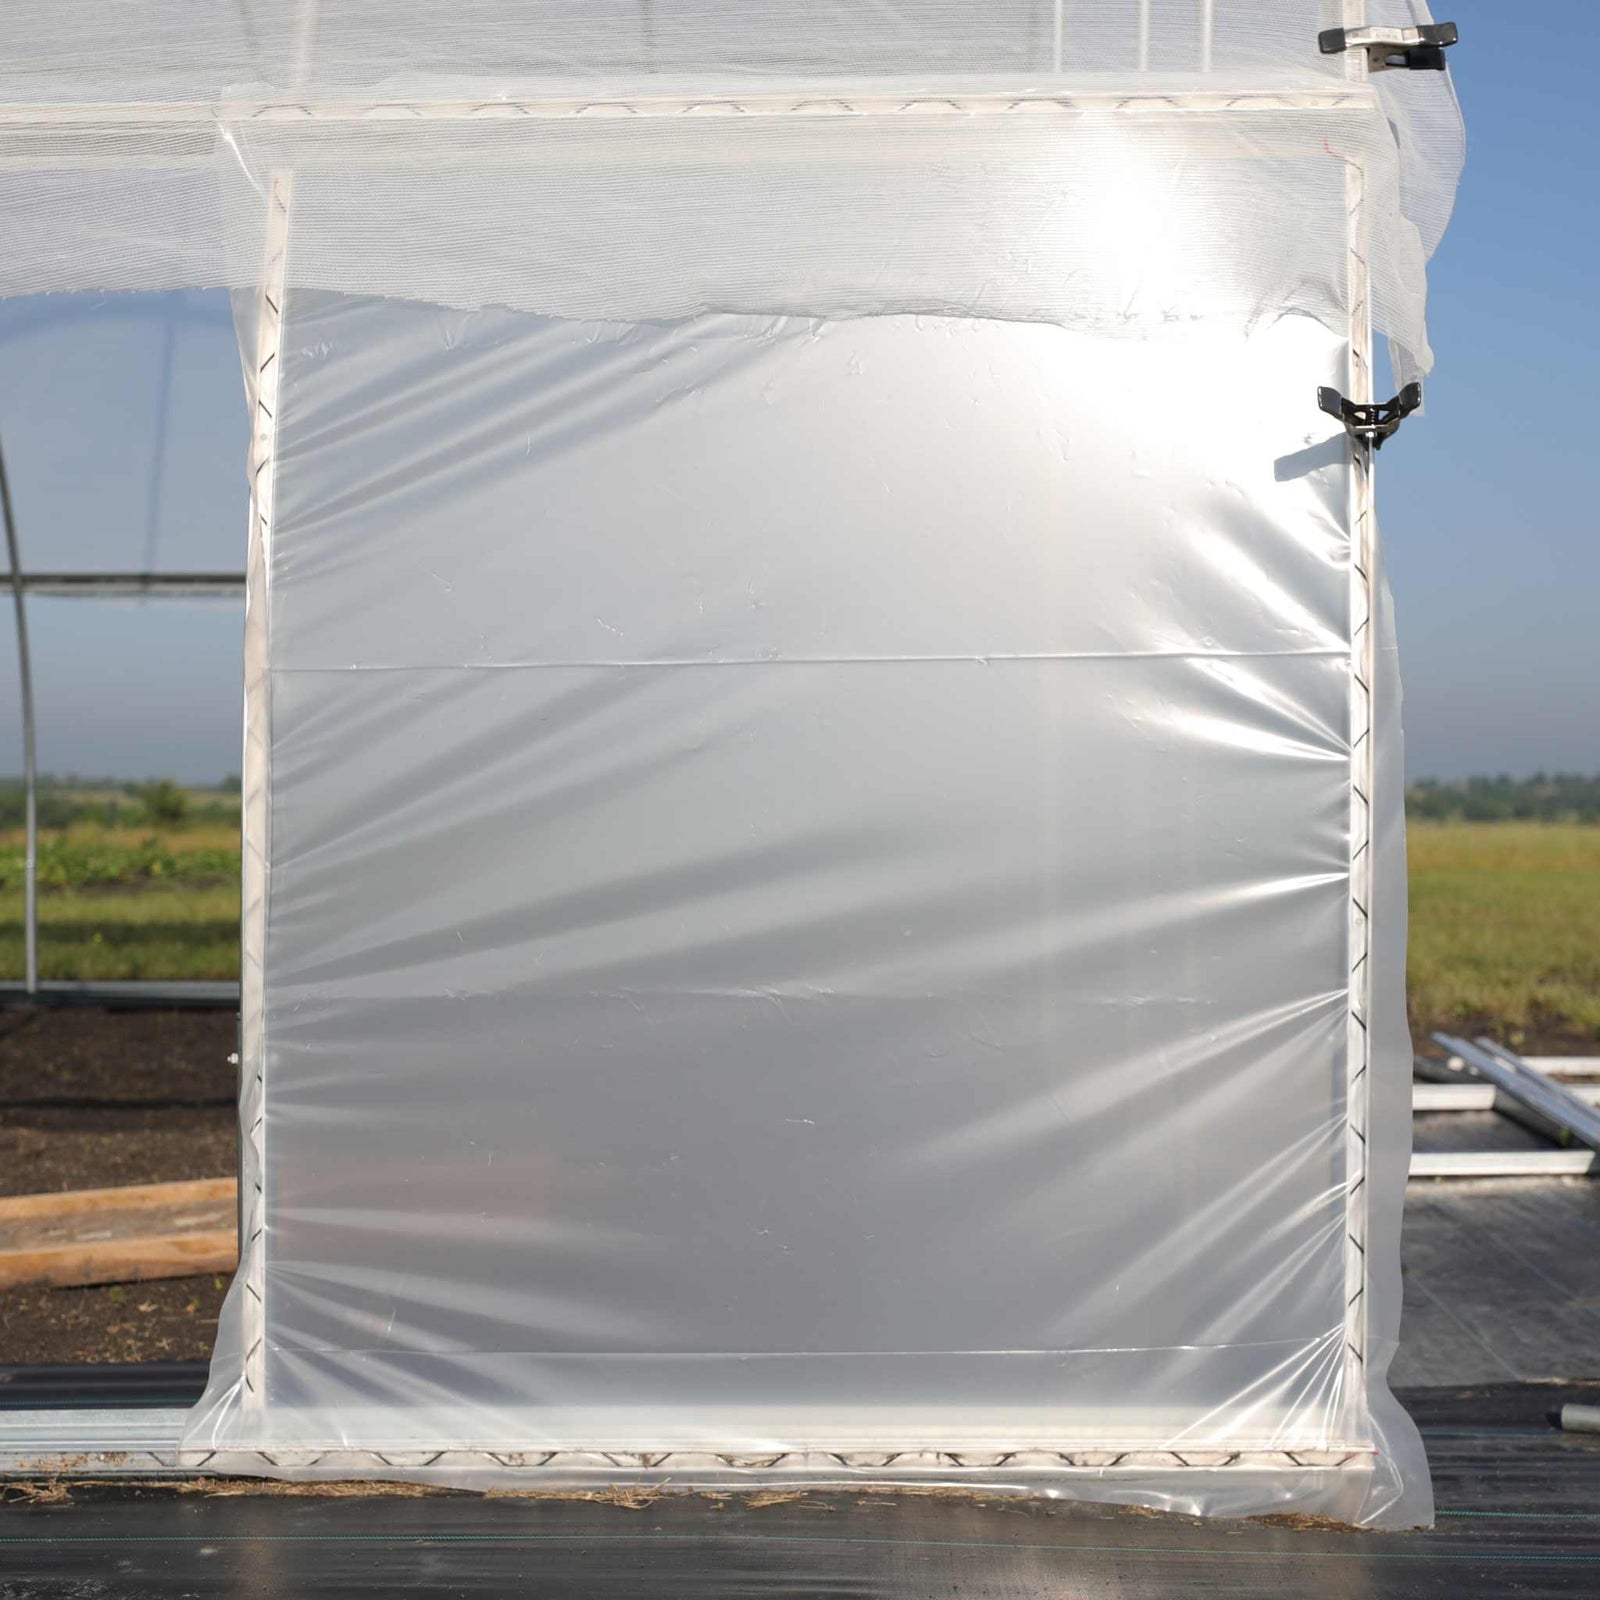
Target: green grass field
[[1505, 916], [1505, 931], [128, 896]]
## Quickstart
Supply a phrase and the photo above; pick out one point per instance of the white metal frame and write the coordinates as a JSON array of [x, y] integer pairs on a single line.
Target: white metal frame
[[1363, 604], [1435, 1097], [966, 101], [1528, 1093], [1503, 1163], [128, 585], [256, 789]]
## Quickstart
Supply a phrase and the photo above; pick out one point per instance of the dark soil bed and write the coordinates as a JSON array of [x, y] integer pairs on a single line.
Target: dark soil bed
[[90, 1099]]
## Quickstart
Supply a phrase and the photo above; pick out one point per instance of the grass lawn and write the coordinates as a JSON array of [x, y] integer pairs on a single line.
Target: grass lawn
[[1505, 931], [154, 930], [1505, 917]]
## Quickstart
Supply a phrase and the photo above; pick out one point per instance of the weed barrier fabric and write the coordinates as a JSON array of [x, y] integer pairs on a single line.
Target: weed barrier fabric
[[823, 868]]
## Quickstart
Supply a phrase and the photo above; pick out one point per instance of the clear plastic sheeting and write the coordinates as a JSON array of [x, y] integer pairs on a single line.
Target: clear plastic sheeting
[[125, 134], [823, 869], [808, 922], [1128, 219], [185, 50], [124, 433]]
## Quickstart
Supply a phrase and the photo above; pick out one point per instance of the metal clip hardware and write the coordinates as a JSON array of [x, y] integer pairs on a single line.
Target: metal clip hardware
[[1371, 424], [1419, 49]]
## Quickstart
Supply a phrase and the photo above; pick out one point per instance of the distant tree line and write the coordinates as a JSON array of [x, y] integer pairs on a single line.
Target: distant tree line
[[66, 801], [1545, 797]]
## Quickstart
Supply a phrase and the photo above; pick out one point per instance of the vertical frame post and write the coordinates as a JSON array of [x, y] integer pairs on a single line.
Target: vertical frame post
[[30, 754], [265, 381], [1363, 607]]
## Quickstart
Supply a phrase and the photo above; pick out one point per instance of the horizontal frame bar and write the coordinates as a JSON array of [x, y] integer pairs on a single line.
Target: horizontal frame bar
[[959, 99], [1534, 1093], [126, 994], [1563, 1066], [1430, 1097], [131, 585], [1502, 1163], [100, 1385]]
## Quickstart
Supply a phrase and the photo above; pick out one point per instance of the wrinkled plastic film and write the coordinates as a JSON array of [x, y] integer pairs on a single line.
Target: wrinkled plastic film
[[735, 997], [1129, 220], [824, 863], [447, 154]]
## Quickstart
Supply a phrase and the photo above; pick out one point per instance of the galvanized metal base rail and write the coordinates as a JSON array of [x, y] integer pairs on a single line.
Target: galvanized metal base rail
[[126, 995], [1528, 1091], [1551, 1106], [1503, 1163], [1458, 1092], [129, 585]]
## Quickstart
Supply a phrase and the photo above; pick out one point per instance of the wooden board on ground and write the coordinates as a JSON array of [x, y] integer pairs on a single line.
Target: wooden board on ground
[[124, 1235]]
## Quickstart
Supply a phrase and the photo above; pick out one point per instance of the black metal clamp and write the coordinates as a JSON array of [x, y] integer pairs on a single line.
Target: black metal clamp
[[1371, 424], [1418, 49]]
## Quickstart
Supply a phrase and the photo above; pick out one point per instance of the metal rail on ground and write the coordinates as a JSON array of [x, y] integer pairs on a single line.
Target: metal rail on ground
[[125, 995], [1432, 1097], [1485, 1076], [1503, 1163], [1550, 1103]]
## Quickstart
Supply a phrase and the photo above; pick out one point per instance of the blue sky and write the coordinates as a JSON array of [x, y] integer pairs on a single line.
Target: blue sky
[[1488, 502]]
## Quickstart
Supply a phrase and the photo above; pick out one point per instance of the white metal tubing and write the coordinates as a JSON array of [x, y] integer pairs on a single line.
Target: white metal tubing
[[1563, 1066], [1580, 1419], [1481, 1096], [1452, 1097], [1362, 611], [1502, 1163], [1144, 35], [129, 585], [1541, 1095], [180, 994], [1001, 101], [30, 762], [255, 797], [1208, 28]]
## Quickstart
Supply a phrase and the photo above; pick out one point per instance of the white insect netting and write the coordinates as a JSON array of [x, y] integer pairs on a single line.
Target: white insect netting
[[824, 892]]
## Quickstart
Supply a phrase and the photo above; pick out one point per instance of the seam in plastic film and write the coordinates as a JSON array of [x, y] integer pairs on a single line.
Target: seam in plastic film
[[982, 659]]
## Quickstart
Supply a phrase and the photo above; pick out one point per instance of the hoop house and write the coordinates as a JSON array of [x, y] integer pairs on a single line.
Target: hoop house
[[824, 883]]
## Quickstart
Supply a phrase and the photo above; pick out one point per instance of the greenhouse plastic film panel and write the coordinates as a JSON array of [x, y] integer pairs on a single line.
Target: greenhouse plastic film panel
[[808, 926]]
